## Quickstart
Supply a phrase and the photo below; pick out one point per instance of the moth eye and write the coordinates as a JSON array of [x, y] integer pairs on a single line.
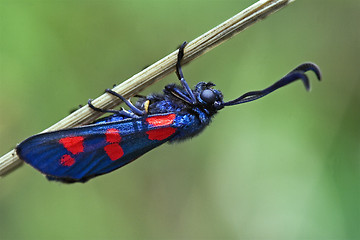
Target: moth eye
[[208, 96]]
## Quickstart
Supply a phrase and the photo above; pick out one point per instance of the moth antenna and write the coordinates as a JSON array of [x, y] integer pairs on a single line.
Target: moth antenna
[[297, 74]]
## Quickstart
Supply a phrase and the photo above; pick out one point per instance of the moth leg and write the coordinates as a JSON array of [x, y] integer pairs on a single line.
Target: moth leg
[[180, 74], [178, 93], [99, 109], [124, 113], [120, 112], [134, 109], [139, 96]]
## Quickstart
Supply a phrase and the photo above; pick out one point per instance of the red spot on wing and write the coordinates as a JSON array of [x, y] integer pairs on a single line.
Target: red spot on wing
[[112, 135], [73, 144], [160, 134], [66, 160], [163, 120], [114, 151]]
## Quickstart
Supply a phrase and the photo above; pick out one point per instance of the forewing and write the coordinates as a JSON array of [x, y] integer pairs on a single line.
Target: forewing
[[79, 154]]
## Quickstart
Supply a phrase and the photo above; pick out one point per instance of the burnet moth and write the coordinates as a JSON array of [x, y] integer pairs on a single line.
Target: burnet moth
[[81, 153]]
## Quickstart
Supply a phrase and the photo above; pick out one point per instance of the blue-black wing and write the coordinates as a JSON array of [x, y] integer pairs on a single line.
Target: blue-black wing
[[78, 154]]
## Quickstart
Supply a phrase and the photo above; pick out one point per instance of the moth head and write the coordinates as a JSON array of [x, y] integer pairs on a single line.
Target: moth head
[[208, 96]]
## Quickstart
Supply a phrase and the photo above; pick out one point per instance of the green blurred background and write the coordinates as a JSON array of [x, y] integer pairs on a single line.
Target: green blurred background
[[283, 167]]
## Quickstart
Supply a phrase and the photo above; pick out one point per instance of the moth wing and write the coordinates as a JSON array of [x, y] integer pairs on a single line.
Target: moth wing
[[78, 154]]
